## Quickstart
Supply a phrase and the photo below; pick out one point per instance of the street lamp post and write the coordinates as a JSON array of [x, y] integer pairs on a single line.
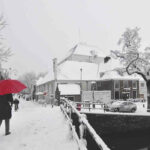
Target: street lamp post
[[81, 83], [93, 84]]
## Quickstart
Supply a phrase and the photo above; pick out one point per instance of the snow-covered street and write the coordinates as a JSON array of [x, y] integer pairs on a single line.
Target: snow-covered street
[[35, 127]]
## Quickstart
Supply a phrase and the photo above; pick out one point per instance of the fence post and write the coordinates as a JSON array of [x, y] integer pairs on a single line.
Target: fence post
[[82, 130], [70, 112]]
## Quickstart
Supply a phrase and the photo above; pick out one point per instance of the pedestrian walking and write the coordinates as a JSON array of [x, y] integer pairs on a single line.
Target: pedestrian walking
[[104, 107], [8, 86], [16, 104], [6, 102]]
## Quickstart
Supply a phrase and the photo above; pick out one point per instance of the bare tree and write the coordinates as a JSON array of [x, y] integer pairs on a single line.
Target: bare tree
[[133, 59], [29, 79], [4, 51], [41, 74]]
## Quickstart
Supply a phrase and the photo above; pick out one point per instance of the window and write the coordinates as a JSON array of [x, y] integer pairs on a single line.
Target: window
[[93, 86], [117, 84], [125, 103], [98, 84], [134, 94], [125, 95], [70, 98], [116, 94], [142, 84], [134, 84], [130, 103], [126, 84]]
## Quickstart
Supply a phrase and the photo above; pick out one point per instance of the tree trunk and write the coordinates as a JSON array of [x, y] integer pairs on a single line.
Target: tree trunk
[[148, 95]]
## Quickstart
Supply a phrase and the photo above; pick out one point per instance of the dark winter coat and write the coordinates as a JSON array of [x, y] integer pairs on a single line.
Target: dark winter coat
[[5, 106], [16, 101]]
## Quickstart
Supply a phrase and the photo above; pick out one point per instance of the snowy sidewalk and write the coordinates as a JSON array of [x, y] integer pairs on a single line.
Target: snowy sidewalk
[[35, 127]]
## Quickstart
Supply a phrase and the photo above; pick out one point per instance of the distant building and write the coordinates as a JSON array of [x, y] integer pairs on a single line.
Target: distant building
[[86, 68], [79, 69], [120, 89], [122, 86], [142, 89]]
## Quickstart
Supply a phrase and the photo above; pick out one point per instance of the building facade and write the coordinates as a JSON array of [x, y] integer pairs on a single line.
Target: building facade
[[120, 89], [83, 66], [48, 88]]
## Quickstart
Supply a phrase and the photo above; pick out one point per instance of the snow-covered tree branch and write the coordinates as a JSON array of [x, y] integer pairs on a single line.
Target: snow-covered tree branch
[[135, 60], [131, 57]]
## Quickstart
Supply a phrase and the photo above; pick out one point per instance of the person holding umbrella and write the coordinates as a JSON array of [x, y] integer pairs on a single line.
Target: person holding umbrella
[[6, 102], [7, 87]]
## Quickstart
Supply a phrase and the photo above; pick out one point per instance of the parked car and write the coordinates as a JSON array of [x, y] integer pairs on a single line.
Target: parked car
[[123, 106]]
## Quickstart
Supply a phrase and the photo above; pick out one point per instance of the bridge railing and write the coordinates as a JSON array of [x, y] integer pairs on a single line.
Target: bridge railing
[[85, 135], [90, 105]]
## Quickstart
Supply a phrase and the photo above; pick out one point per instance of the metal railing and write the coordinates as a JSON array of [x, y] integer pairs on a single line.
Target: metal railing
[[90, 105], [82, 130]]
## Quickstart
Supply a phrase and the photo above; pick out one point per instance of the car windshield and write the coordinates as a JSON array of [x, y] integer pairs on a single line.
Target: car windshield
[[116, 103], [129, 103]]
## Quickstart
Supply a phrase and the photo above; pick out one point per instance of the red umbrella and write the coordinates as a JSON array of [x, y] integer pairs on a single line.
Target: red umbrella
[[11, 86]]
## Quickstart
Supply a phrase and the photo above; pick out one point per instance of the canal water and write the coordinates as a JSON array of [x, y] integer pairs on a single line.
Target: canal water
[[140, 142]]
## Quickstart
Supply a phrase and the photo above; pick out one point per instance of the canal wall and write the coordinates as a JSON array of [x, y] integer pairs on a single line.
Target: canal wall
[[113, 124]]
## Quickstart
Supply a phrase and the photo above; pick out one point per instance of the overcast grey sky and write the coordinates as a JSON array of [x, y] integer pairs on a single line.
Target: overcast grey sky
[[39, 30]]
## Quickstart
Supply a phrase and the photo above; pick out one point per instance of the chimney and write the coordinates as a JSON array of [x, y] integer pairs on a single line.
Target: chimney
[[55, 68]]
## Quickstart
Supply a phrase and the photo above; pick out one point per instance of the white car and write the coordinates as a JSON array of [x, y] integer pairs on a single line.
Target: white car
[[123, 106]]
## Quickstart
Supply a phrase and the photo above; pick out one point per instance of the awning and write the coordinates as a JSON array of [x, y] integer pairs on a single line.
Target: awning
[[69, 89]]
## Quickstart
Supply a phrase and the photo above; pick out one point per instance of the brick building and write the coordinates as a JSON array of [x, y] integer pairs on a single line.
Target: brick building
[[122, 86], [120, 89]]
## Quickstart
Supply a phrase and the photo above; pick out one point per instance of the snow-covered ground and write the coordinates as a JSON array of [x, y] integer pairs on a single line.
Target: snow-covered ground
[[35, 127], [141, 107]]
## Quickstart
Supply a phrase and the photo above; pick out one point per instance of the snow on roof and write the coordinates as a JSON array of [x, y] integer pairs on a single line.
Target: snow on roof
[[89, 50], [110, 65], [84, 49], [115, 76], [70, 70], [69, 89]]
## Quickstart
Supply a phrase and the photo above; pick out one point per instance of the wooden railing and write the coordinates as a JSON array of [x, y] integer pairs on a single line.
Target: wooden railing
[[83, 132]]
